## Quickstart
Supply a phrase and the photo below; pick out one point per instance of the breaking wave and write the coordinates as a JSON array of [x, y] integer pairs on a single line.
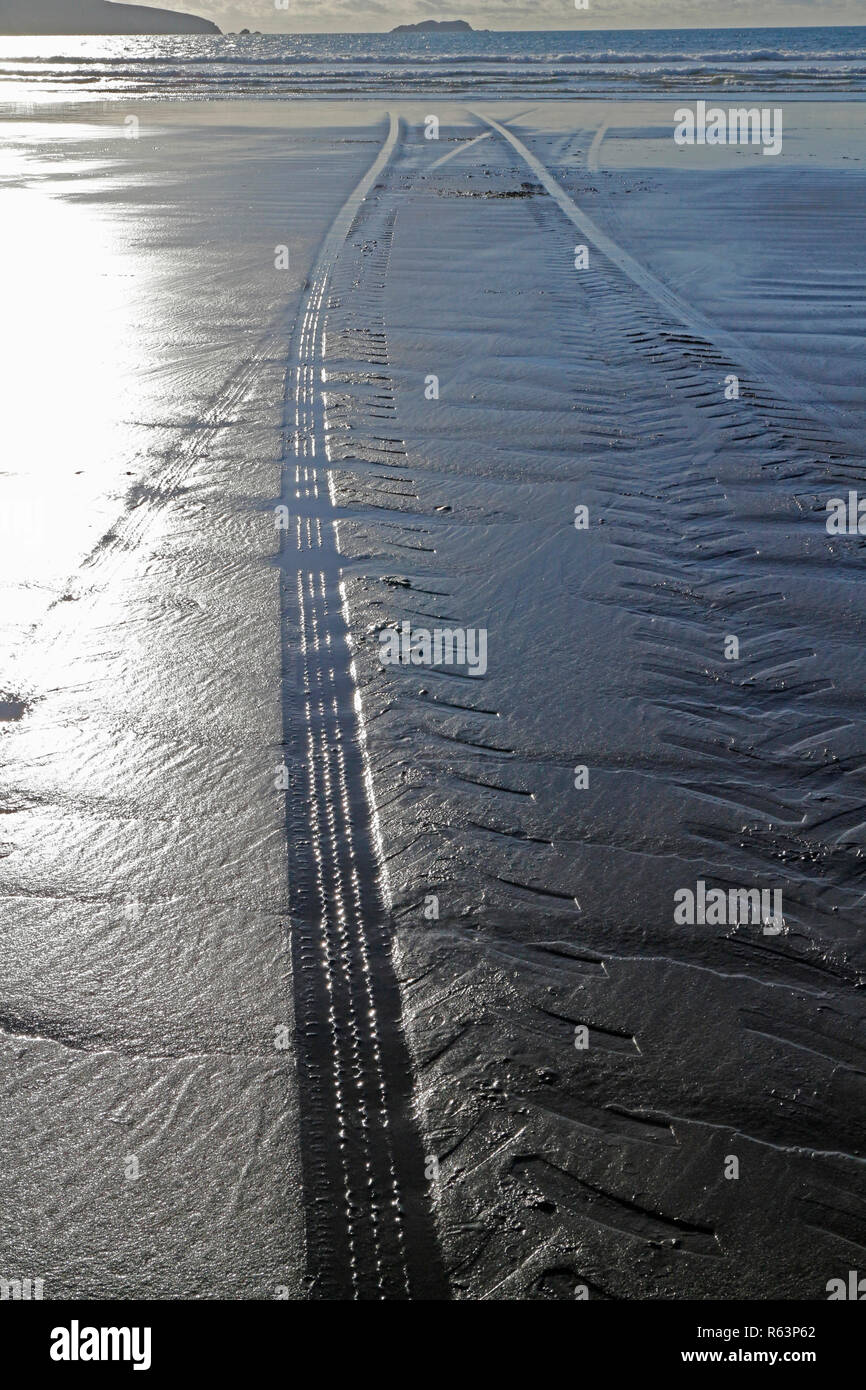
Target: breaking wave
[[502, 64]]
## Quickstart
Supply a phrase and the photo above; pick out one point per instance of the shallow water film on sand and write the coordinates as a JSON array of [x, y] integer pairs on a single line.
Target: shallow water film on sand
[[432, 778]]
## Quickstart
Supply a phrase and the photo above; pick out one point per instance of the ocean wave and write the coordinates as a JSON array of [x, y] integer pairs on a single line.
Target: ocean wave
[[506, 64], [433, 60]]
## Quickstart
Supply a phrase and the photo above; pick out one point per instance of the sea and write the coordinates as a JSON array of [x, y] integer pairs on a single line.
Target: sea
[[494, 64]]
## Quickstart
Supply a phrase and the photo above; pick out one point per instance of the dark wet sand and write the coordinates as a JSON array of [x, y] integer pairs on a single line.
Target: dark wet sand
[[147, 974]]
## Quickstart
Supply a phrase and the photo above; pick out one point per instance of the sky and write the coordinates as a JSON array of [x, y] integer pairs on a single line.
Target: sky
[[312, 16]]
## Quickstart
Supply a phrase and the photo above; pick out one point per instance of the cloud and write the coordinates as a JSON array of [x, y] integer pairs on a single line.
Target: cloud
[[353, 15]]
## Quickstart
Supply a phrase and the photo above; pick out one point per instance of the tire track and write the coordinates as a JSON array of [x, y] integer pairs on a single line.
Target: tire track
[[368, 1233], [714, 584], [669, 468], [676, 308]]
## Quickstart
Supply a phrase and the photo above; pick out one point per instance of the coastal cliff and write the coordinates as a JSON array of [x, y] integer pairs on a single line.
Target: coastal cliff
[[96, 17]]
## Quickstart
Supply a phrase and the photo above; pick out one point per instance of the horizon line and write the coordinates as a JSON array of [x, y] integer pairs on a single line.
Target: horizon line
[[586, 29]]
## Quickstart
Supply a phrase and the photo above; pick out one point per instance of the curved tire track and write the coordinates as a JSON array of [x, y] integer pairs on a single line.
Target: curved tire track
[[758, 368]]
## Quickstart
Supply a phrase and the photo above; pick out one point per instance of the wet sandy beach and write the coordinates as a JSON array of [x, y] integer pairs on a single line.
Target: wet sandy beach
[[325, 977]]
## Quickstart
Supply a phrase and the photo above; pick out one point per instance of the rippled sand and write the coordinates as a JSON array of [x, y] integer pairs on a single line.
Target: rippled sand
[[147, 991]]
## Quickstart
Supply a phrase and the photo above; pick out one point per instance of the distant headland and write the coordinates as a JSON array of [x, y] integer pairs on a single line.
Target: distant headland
[[96, 17], [435, 26]]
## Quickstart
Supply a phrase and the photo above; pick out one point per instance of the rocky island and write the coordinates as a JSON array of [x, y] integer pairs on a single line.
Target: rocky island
[[435, 26]]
